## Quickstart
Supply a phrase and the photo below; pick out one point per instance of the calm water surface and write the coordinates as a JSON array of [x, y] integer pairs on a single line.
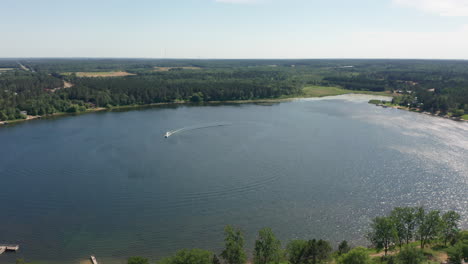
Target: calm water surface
[[110, 184]]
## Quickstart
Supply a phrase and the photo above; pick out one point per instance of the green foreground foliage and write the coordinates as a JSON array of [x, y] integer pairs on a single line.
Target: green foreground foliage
[[408, 235], [459, 251], [137, 260], [406, 224], [311, 251], [410, 255], [234, 246], [357, 255], [267, 247], [193, 256]]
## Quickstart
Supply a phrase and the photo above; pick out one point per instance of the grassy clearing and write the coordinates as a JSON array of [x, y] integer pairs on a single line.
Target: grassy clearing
[[320, 91], [386, 103], [100, 74], [465, 117], [433, 255], [164, 69]]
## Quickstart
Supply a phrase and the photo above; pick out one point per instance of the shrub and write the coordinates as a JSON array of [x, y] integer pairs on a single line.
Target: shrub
[[357, 255]]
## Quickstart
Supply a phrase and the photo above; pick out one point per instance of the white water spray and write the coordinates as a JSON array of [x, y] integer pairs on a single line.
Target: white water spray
[[172, 132]]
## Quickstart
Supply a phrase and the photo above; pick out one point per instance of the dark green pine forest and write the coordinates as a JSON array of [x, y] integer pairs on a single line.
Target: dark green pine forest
[[47, 86]]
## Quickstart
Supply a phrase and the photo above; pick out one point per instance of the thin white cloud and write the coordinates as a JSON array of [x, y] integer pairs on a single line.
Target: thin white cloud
[[238, 1], [440, 7]]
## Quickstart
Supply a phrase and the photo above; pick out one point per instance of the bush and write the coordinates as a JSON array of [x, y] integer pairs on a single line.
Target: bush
[[458, 253], [343, 248], [458, 112], [410, 255], [295, 251], [74, 108], [357, 255], [137, 260], [196, 97], [3, 116], [192, 256]]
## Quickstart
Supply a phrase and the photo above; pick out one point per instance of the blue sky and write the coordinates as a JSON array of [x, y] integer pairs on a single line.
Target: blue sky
[[235, 28]]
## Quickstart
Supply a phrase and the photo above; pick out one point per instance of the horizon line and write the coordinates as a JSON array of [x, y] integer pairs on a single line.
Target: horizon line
[[188, 58]]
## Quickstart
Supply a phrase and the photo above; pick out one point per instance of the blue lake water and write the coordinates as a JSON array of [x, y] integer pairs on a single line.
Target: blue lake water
[[110, 184]]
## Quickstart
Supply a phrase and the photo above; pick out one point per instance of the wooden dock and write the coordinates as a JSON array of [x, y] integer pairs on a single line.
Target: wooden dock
[[4, 248], [93, 260]]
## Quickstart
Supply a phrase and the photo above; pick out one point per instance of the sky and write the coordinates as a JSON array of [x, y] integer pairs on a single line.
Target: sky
[[425, 29]]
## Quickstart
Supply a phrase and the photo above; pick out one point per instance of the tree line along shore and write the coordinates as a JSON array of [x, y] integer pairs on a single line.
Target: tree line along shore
[[457, 115], [407, 235], [43, 87]]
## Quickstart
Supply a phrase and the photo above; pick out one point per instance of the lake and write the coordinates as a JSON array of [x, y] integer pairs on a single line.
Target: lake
[[110, 184]]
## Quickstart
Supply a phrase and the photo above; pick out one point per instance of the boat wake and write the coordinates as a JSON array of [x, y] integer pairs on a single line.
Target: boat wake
[[172, 132]]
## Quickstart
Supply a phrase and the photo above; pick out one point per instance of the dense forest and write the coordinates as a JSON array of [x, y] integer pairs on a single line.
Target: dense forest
[[39, 86], [41, 94], [407, 235]]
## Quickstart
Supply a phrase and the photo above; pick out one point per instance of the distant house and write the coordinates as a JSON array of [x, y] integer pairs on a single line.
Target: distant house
[[411, 83], [24, 113], [431, 90]]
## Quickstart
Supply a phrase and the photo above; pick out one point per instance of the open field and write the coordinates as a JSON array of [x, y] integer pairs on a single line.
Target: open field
[[67, 84], [100, 74], [164, 69], [320, 91]]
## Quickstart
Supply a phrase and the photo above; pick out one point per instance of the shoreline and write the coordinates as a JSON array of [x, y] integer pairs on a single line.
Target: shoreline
[[399, 107], [265, 101], [123, 107], [250, 101], [307, 92]]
